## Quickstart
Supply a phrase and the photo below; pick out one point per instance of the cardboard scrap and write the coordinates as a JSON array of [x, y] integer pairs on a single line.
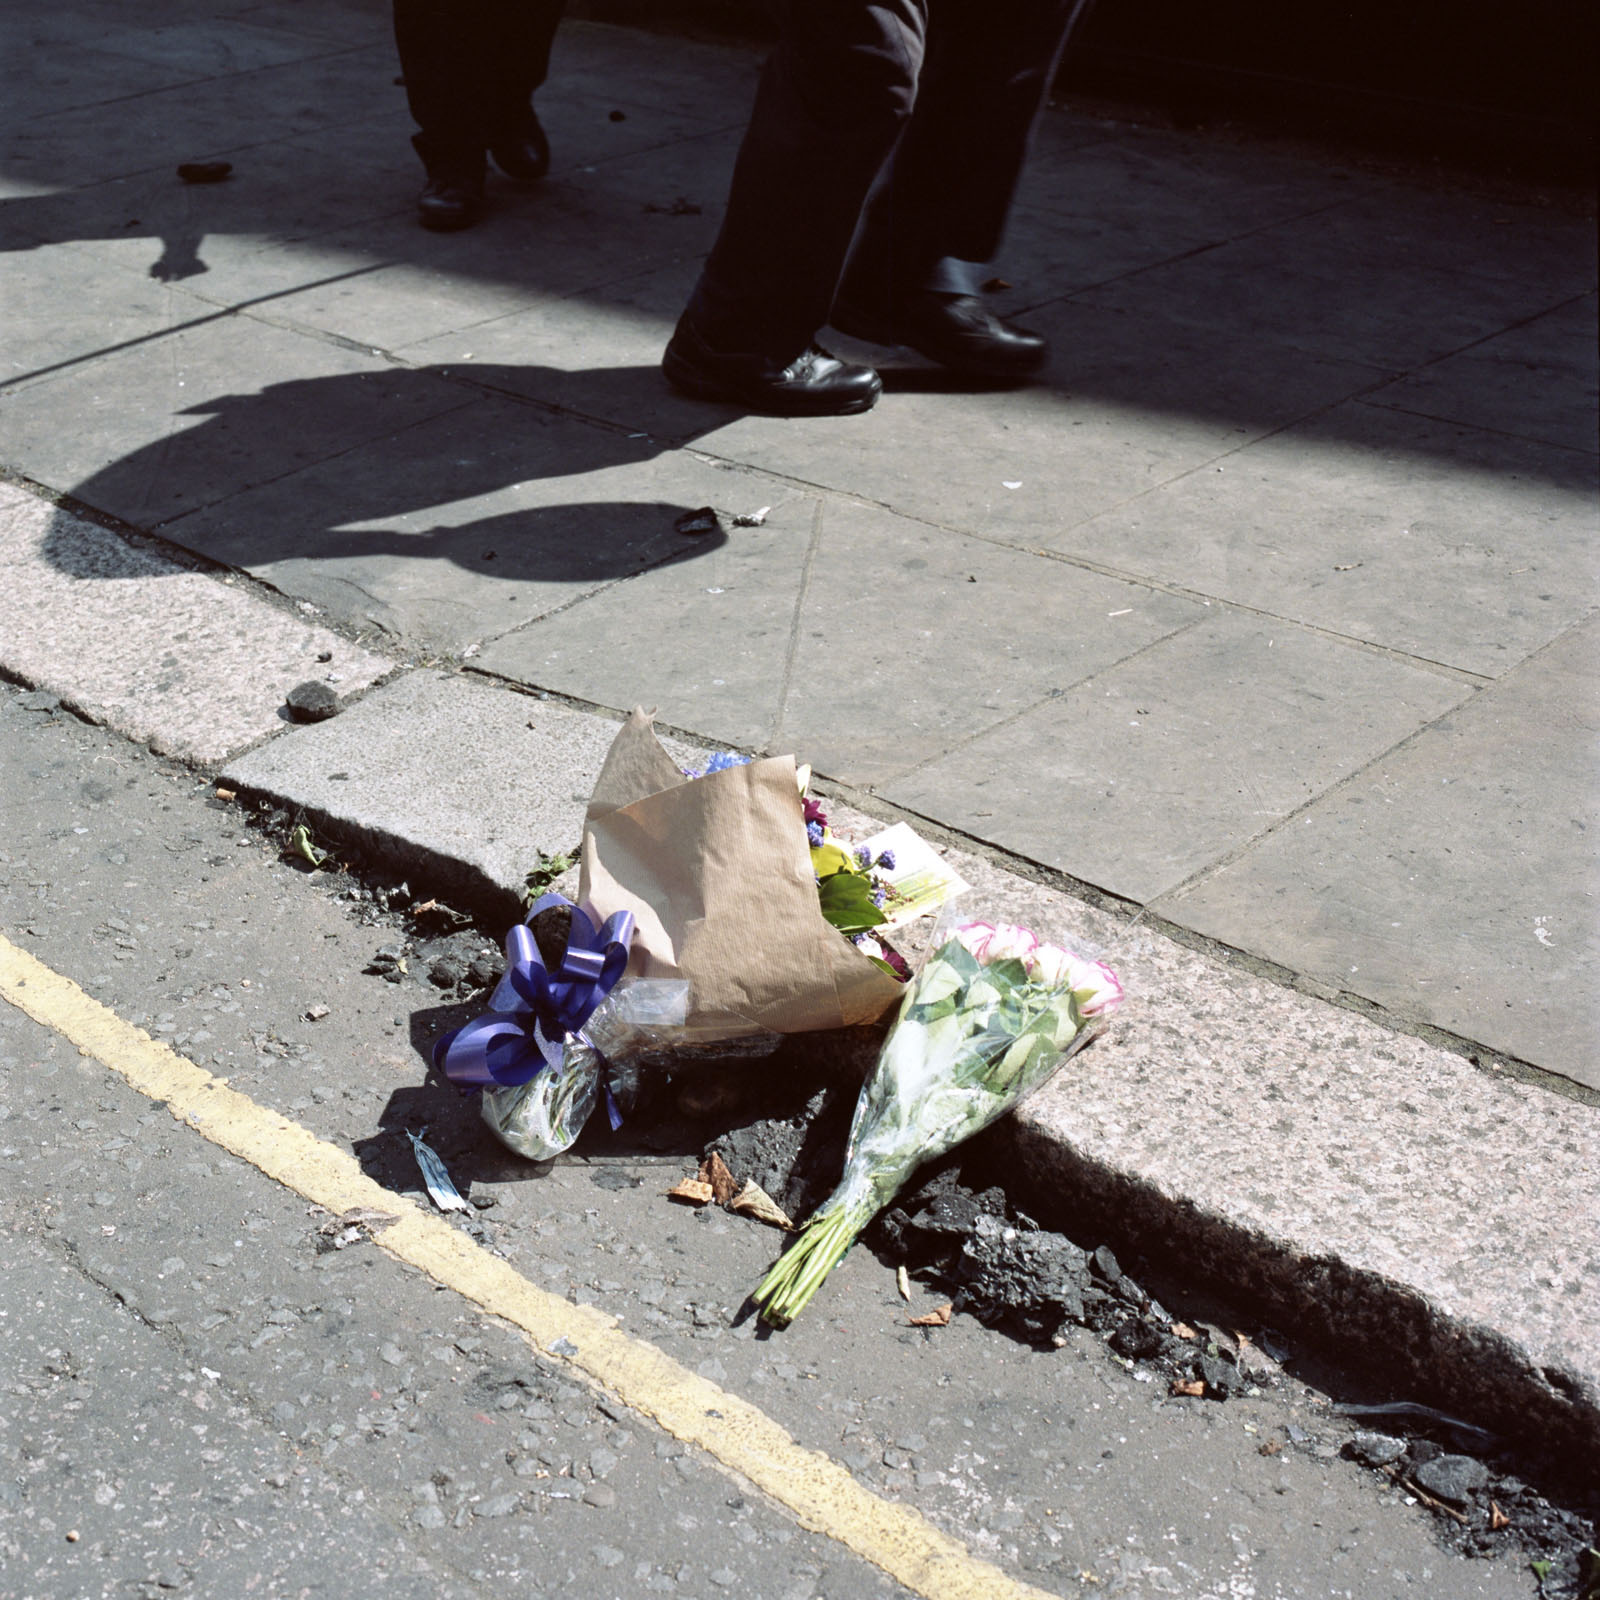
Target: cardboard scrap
[[714, 1170], [939, 1317], [754, 1201], [692, 1192]]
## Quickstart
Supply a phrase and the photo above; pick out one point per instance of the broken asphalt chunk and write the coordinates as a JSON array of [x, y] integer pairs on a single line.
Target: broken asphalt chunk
[[702, 521], [311, 701]]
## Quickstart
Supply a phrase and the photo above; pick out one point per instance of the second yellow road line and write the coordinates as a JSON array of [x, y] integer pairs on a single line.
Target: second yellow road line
[[819, 1492]]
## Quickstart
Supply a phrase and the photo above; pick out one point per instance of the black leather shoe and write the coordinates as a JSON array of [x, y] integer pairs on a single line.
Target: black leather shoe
[[814, 384], [957, 331], [447, 204], [524, 159]]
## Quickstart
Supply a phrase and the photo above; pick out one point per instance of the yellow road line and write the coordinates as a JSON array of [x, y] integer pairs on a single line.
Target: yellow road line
[[817, 1490]]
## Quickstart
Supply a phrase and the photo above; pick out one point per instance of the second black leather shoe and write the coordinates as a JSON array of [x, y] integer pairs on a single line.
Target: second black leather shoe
[[524, 159], [813, 384], [449, 203], [957, 330]]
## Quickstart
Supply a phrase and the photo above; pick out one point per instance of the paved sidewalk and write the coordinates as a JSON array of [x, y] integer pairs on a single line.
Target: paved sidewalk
[[1268, 616], [1267, 611]]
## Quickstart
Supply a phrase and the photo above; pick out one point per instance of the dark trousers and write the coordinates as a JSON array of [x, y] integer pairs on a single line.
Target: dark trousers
[[471, 67], [886, 134]]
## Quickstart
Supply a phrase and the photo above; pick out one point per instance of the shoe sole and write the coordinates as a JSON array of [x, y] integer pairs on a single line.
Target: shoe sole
[[688, 380]]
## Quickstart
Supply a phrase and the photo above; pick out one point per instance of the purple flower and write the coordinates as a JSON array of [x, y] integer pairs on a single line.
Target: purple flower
[[886, 861], [864, 856], [721, 760], [815, 813], [814, 833], [879, 895]]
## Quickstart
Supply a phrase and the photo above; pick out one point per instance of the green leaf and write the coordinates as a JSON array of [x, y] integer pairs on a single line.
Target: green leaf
[[1013, 1061], [958, 958], [1007, 972], [937, 983], [300, 843], [846, 901], [546, 872]]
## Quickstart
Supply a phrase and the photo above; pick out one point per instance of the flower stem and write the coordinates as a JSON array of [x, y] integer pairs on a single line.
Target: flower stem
[[798, 1274]]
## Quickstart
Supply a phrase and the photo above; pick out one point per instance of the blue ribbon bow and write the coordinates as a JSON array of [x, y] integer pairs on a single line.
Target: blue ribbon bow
[[532, 1011]]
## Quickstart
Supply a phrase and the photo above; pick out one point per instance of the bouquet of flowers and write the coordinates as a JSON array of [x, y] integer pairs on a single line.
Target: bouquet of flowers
[[705, 926], [990, 1017]]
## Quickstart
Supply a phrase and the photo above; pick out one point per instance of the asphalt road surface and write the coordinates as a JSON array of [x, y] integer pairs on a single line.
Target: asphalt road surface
[[198, 1395]]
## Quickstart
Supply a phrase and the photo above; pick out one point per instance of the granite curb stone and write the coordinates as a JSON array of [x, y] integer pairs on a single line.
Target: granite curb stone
[[179, 660]]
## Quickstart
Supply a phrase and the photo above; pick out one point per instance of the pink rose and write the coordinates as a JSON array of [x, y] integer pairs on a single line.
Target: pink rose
[[1093, 983], [1003, 941]]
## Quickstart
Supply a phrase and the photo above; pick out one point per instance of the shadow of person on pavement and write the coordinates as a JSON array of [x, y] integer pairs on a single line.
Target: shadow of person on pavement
[[339, 486]]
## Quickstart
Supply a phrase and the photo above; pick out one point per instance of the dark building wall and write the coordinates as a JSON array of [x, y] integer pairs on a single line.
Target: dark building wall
[[1510, 85], [1514, 82]]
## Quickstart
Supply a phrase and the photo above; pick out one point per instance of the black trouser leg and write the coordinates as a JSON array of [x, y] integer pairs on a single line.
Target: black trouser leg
[[834, 96], [945, 196], [471, 67]]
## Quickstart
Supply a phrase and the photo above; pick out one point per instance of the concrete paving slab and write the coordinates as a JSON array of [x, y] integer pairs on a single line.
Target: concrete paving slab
[[1050, 252], [1193, 185], [552, 241], [41, 76], [654, 190], [62, 305], [1338, 289], [367, 23], [1128, 402], [464, 526], [444, 775], [598, 354], [194, 121], [1537, 380], [1164, 764], [1450, 543], [1455, 882], [799, 634], [955, 634], [181, 661], [705, 641], [1131, 198], [1446, 230], [155, 431], [212, 47], [207, 235]]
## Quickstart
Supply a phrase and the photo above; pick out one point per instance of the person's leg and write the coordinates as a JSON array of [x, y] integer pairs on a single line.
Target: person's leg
[[943, 202], [518, 64], [833, 99], [440, 55]]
